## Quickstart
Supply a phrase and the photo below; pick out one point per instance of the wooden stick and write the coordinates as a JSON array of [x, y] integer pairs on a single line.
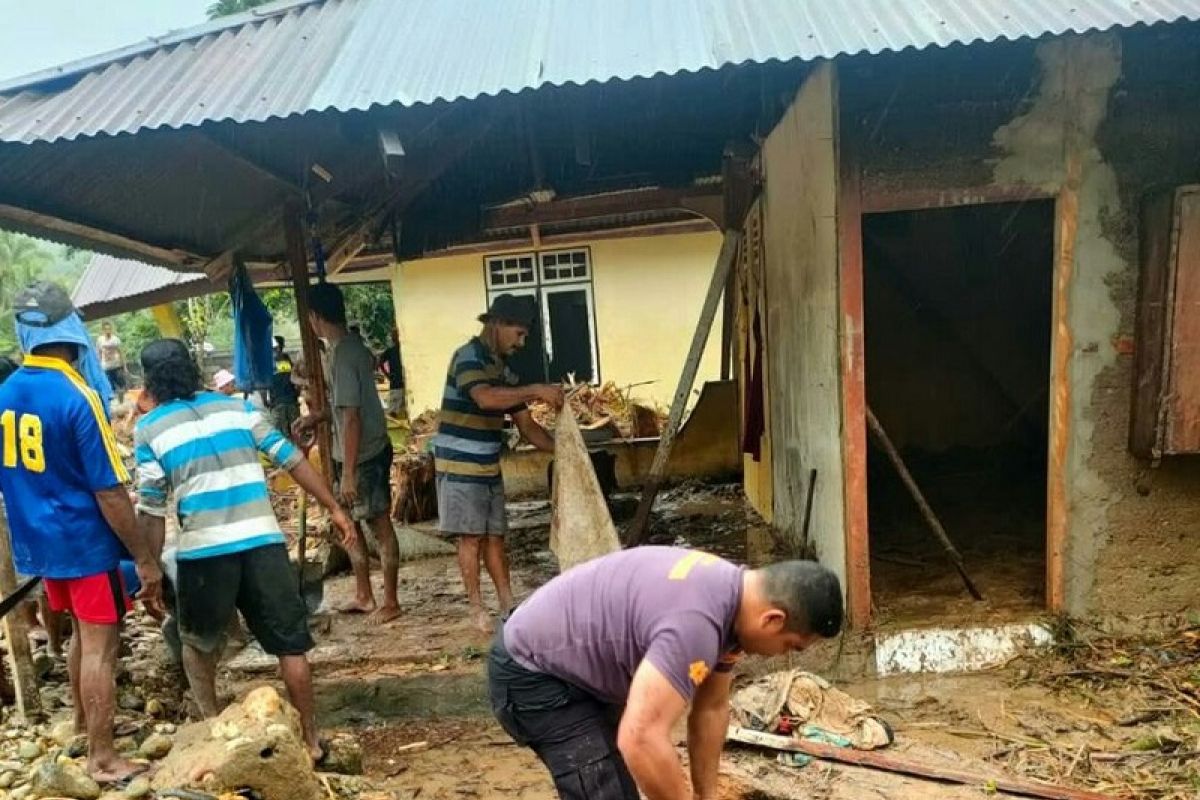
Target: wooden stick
[[934, 524], [808, 504], [16, 631], [880, 761], [639, 528]]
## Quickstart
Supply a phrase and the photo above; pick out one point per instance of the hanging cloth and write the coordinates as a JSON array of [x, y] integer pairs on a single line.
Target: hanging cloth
[[253, 358]]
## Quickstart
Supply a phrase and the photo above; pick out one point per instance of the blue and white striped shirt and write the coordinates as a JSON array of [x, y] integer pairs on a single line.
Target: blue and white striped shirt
[[205, 450]]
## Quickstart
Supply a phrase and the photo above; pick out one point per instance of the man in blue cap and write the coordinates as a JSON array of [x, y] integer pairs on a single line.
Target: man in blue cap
[[69, 513]]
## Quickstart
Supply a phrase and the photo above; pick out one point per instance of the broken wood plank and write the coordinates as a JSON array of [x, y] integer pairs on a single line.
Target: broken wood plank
[[873, 759], [16, 631], [926, 511], [640, 527]]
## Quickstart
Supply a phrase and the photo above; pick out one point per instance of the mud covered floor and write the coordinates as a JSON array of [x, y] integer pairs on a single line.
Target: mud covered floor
[[994, 514], [413, 692]]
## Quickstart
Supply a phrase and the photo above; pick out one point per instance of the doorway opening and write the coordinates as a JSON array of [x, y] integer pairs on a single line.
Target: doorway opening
[[957, 306]]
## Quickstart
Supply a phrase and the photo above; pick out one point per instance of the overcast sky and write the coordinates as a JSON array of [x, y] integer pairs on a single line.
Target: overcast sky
[[42, 33]]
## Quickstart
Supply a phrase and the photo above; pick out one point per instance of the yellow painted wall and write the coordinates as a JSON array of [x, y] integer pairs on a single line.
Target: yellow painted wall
[[647, 293]]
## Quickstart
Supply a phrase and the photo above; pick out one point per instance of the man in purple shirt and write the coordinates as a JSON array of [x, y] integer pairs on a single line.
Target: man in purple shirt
[[594, 669]]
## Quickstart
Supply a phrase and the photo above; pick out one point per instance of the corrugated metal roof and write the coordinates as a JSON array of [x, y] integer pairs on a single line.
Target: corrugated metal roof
[[107, 280], [293, 58]]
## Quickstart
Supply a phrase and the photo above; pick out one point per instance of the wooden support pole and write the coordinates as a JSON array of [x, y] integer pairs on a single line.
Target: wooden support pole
[[935, 524], [297, 255], [640, 527], [873, 759], [16, 633]]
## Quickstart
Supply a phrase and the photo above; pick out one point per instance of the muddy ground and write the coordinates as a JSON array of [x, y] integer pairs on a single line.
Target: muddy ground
[[413, 693]]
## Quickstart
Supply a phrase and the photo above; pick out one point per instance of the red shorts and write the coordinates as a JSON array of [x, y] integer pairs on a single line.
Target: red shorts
[[100, 599]]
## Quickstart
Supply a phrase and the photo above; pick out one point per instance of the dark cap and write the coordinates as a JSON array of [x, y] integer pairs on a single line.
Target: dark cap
[[513, 309], [42, 305], [161, 351]]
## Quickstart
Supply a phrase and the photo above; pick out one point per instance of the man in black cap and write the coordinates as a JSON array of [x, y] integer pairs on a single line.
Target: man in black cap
[[480, 391]]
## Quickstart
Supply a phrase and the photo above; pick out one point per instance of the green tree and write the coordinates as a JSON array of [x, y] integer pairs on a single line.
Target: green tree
[[223, 8], [23, 260], [369, 305]]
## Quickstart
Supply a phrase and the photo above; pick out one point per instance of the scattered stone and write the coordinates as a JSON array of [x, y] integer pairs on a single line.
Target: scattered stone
[[21, 792], [156, 746], [63, 732], [254, 745], [154, 707], [167, 728], [7, 779], [343, 755], [57, 779], [28, 750], [77, 747], [131, 701], [125, 744], [137, 788], [52, 698]]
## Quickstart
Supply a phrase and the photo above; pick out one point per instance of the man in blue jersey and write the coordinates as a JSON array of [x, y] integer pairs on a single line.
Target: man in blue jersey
[[68, 511], [231, 553]]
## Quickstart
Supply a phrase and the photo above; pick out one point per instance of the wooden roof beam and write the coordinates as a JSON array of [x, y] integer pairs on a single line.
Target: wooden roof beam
[[705, 200], [75, 233]]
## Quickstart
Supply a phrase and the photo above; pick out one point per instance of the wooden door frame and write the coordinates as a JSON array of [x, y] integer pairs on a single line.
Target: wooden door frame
[[855, 200]]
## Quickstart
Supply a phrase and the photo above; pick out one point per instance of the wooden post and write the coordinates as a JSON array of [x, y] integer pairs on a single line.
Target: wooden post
[[297, 255], [640, 526], [16, 632]]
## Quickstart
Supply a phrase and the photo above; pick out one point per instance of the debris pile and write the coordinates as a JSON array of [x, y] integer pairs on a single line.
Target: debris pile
[[1151, 747], [801, 705], [596, 407]]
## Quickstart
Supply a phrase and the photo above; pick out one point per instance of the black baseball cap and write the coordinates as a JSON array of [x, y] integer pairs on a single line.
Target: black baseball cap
[[42, 305], [511, 308]]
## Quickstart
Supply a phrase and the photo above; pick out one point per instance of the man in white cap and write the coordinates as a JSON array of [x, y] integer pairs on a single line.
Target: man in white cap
[[224, 382]]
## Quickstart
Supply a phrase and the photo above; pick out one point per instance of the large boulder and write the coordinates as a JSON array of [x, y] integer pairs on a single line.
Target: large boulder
[[255, 744]]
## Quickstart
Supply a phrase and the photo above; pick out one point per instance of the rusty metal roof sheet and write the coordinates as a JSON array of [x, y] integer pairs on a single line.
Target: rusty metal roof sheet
[[299, 56]]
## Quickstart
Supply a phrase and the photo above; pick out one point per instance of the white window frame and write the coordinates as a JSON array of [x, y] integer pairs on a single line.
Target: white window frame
[[542, 287], [501, 288]]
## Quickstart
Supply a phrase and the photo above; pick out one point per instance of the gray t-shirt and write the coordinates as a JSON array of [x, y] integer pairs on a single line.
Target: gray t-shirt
[[350, 373], [593, 625]]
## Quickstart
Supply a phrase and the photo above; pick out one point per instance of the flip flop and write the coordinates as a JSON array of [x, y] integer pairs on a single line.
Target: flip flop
[[122, 783]]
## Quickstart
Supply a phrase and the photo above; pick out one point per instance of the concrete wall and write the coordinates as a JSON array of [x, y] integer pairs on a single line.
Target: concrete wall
[[647, 293], [1097, 121], [800, 272]]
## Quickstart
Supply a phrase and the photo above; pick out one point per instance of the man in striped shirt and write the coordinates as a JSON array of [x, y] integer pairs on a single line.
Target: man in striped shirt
[[480, 391], [231, 554]]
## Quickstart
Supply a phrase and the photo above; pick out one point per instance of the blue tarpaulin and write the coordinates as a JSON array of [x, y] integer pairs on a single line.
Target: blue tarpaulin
[[253, 360]]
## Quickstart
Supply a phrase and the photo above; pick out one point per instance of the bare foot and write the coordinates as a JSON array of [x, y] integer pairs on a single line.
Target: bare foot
[[316, 752], [356, 606], [115, 770], [385, 614], [482, 620]]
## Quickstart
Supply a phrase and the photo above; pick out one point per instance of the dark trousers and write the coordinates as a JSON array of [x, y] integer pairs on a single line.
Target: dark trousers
[[572, 732]]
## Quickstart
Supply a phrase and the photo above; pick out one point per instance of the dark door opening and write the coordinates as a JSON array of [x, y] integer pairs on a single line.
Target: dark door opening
[[570, 335], [958, 335]]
